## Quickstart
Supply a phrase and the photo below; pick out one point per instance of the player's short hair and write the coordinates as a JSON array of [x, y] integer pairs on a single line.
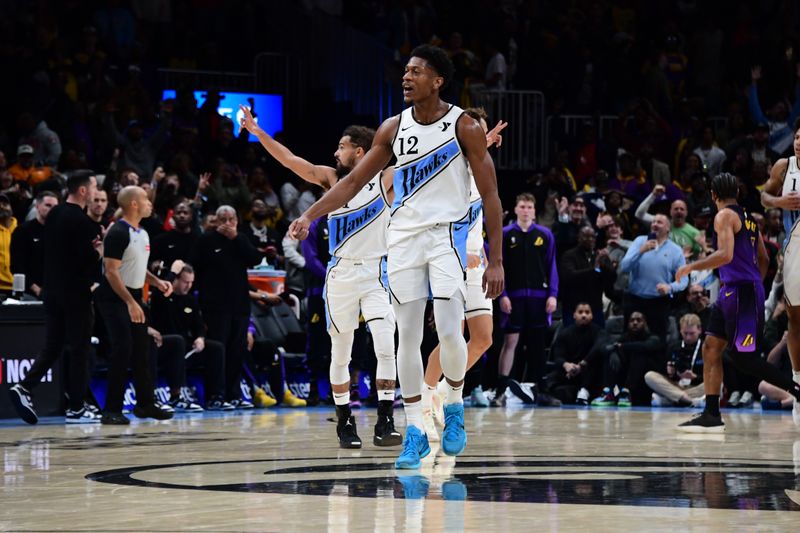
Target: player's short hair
[[438, 61], [725, 186], [186, 269], [360, 136], [477, 113], [690, 319], [78, 179], [587, 304], [525, 197]]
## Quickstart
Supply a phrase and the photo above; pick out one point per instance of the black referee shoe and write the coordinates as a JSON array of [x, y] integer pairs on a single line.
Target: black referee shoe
[[703, 423], [346, 431], [151, 411], [114, 419]]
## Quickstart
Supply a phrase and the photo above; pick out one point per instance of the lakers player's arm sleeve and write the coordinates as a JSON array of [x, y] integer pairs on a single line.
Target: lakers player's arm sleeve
[[311, 253], [552, 288], [345, 189]]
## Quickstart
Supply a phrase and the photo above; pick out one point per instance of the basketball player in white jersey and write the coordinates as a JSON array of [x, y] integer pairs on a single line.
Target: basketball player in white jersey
[[432, 141], [782, 190], [478, 308], [355, 281]]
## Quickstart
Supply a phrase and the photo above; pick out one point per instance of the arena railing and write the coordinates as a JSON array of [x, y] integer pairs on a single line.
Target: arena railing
[[525, 138]]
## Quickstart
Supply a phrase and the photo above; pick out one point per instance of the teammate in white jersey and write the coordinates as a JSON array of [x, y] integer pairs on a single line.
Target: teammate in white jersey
[[478, 309], [432, 141], [355, 281], [782, 190]]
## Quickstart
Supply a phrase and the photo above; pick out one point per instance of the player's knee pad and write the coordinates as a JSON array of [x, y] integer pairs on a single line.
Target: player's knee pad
[[382, 330], [341, 348], [383, 341]]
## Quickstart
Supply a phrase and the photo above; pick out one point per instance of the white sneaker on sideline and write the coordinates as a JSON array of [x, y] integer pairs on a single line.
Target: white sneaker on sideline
[[734, 399]]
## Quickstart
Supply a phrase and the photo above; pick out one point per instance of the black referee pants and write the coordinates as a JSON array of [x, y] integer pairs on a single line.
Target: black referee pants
[[130, 346], [231, 330], [172, 356], [68, 321]]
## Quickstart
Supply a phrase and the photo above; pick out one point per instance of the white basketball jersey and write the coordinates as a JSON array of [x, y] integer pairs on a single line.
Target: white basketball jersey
[[791, 183], [431, 181], [357, 230]]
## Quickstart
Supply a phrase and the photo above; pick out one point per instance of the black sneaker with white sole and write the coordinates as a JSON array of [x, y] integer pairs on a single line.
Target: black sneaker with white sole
[[114, 419], [521, 392], [347, 433], [23, 403], [385, 432], [83, 416], [185, 405], [703, 423], [151, 411]]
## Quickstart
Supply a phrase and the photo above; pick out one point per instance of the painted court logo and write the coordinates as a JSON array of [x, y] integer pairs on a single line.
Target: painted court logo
[[666, 481]]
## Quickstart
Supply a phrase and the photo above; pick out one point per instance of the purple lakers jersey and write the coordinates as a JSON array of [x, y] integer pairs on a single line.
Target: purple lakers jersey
[[744, 265]]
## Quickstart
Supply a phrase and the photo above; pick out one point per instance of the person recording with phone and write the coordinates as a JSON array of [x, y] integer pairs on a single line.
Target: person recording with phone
[[652, 261]]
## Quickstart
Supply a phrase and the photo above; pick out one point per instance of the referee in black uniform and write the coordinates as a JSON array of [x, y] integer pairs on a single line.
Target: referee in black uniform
[[119, 298], [72, 251]]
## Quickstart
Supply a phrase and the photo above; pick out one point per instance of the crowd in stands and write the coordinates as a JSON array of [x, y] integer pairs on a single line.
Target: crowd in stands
[[623, 328]]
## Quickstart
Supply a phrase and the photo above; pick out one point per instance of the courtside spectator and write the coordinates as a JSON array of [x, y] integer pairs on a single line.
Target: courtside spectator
[[27, 245]]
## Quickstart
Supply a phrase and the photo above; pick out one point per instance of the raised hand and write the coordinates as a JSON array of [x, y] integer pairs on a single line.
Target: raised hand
[[755, 73], [494, 137], [248, 121], [205, 179]]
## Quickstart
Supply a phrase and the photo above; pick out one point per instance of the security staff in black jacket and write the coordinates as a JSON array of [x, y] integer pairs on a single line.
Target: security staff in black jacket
[[221, 258]]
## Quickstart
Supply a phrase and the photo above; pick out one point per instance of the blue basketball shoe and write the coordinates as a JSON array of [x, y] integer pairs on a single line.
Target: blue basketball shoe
[[454, 438], [415, 448]]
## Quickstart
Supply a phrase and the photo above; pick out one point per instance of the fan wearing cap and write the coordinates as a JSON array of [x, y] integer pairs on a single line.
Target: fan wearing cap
[[7, 226], [25, 170]]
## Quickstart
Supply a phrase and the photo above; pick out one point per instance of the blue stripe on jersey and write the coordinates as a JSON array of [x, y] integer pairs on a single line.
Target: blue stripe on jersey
[[384, 274], [458, 233], [409, 178], [331, 264], [475, 209], [344, 226]]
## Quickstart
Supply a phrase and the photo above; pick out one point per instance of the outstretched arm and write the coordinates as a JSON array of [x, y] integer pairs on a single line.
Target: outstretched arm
[[320, 175], [473, 140], [346, 188]]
